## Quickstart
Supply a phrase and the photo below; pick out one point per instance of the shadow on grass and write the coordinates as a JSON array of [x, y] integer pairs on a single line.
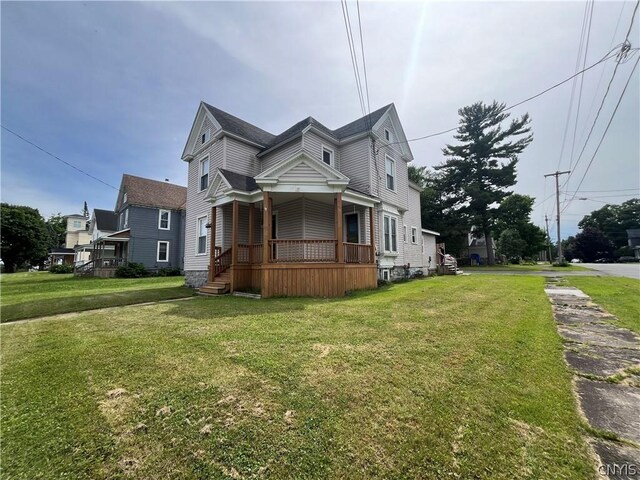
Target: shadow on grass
[[84, 302]]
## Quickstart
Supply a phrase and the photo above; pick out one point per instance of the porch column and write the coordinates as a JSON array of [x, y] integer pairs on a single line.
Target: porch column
[[372, 237], [338, 228], [251, 228], [234, 232], [266, 226], [212, 248]]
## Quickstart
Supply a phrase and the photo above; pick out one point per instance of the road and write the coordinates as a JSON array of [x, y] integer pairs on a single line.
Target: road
[[630, 270]]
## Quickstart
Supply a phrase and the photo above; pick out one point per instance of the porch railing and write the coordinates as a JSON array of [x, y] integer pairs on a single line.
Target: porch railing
[[357, 253], [300, 251], [256, 253], [222, 262], [109, 262], [85, 268]]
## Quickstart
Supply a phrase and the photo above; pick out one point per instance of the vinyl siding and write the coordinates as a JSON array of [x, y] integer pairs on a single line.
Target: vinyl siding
[[289, 219], [411, 218], [429, 251], [398, 197], [319, 220], [280, 154], [145, 234], [300, 172], [356, 164], [313, 143], [241, 158]]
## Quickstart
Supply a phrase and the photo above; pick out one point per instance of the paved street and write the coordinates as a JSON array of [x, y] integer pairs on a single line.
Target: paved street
[[630, 270]]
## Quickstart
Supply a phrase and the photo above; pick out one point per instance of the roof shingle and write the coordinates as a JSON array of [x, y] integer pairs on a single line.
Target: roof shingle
[[239, 127], [153, 193], [106, 220], [239, 181]]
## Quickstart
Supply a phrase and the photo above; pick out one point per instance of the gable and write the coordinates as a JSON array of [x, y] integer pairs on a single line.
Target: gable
[[218, 186], [391, 121], [203, 122]]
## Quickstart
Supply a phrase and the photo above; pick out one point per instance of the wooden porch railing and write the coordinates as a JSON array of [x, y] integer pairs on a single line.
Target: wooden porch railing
[[256, 254], [85, 268], [357, 253], [109, 262], [222, 262], [300, 251]]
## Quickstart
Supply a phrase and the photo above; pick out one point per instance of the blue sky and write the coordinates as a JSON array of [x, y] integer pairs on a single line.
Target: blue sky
[[113, 87]]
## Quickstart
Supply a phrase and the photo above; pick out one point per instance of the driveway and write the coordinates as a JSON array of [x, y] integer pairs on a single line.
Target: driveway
[[630, 270]]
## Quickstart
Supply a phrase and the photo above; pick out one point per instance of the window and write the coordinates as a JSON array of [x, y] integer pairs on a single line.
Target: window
[[124, 198], [327, 156], [204, 173], [404, 233], [163, 251], [77, 224], [164, 220], [390, 234], [414, 235], [201, 246], [387, 135], [205, 136], [126, 218], [390, 169], [352, 227]]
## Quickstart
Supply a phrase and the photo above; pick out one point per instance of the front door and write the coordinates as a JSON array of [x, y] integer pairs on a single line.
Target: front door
[[352, 230]]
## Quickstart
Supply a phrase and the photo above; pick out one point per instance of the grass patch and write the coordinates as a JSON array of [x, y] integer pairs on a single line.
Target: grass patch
[[459, 377], [29, 295], [539, 267], [618, 295]]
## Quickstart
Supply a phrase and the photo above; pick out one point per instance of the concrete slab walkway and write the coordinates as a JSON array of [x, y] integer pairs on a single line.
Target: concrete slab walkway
[[606, 361]]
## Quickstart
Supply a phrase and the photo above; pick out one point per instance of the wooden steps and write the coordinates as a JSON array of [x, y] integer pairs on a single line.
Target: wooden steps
[[220, 285]]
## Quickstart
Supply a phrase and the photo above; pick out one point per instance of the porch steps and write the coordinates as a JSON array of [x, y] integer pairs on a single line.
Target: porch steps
[[220, 285]]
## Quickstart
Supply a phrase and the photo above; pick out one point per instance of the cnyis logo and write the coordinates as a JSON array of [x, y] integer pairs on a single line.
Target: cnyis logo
[[620, 470]]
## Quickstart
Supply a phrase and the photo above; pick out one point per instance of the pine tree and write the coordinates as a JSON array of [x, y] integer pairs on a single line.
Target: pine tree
[[476, 177], [85, 210]]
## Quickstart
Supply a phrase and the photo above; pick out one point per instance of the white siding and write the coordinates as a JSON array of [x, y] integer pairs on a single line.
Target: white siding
[[429, 255], [301, 171], [411, 218], [355, 163], [241, 158], [280, 154]]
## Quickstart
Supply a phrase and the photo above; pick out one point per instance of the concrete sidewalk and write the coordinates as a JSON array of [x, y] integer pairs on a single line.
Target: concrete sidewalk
[[606, 361]]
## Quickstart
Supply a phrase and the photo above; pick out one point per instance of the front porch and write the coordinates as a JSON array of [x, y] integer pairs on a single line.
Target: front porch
[[292, 244], [107, 255]]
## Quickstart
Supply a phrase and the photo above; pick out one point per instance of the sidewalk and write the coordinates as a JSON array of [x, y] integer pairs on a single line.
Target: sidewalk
[[606, 361]]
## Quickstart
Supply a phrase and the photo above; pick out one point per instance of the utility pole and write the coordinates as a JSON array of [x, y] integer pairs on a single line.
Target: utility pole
[[546, 222], [557, 174]]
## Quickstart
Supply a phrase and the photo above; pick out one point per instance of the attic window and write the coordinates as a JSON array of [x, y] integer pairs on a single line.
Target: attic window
[[205, 136], [124, 198], [387, 135], [327, 156]]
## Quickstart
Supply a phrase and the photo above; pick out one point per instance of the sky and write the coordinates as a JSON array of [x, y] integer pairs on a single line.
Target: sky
[[113, 87]]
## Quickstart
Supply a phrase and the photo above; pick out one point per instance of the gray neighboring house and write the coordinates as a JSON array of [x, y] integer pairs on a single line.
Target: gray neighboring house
[[146, 226]]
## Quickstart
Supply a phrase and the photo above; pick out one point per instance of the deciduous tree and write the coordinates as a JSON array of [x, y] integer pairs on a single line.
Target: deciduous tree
[[23, 236]]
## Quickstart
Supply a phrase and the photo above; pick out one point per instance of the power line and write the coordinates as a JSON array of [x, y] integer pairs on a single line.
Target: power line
[[352, 52], [615, 190], [364, 62], [58, 158], [603, 59], [605, 132]]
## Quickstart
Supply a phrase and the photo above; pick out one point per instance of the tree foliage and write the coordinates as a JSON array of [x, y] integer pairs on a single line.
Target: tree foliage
[[24, 237], [56, 227], [511, 244], [614, 220], [482, 166]]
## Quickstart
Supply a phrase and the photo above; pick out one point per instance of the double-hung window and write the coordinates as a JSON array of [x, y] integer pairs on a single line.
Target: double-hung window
[[387, 135], [390, 234], [164, 220], [201, 246], [126, 218], [390, 169], [163, 251], [414, 235], [204, 173], [327, 156]]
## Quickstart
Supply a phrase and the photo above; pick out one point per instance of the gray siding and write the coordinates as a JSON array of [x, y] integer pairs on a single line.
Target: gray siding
[[411, 218], [280, 154], [356, 164], [240, 157], [313, 143], [145, 234]]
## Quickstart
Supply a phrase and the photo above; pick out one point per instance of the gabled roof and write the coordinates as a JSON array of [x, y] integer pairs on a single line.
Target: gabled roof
[[237, 181], [362, 124], [239, 127], [106, 220], [152, 193]]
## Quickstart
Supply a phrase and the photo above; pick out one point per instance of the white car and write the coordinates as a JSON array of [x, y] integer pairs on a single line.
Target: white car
[[576, 260]]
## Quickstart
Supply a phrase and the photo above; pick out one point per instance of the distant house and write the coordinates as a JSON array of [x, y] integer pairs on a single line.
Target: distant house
[[311, 211], [633, 236], [477, 250], [146, 226], [76, 235]]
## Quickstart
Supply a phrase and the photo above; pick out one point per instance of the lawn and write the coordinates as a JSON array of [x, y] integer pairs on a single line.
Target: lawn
[[450, 377], [620, 296], [538, 267], [28, 295]]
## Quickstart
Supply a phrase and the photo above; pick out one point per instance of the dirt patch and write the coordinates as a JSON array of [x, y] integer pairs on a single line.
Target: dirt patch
[[323, 349], [128, 465], [207, 429], [163, 411]]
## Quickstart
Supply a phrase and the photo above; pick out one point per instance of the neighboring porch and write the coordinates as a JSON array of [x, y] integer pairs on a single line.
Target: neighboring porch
[[292, 244], [107, 255]]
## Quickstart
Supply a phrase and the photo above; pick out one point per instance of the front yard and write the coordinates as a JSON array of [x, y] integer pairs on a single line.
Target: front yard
[[451, 377], [28, 295]]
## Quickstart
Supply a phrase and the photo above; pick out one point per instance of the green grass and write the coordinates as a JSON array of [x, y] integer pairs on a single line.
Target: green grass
[[450, 377], [539, 267], [29, 295], [619, 296]]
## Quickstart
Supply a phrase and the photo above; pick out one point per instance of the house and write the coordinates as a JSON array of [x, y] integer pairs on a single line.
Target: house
[[477, 250], [76, 235], [633, 240], [146, 226], [311, 211]]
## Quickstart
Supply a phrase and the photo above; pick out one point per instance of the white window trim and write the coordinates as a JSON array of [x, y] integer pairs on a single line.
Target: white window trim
[[200, 174], [158, 251], [390, 139], [160, 212], [395, 177], [207, 136], [331, 151], [414, 229], [206, 243], [392, 252], [344, 225]]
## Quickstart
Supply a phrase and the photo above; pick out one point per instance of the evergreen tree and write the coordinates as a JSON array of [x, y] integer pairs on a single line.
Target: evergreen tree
[[85, 210], [474, 173]]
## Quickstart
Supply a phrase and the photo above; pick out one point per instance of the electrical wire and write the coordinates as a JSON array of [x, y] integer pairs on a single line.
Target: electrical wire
[[364, 62], [352, 52]]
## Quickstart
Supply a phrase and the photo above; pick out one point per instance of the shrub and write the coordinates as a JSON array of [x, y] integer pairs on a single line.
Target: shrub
[[63, 268], [563, 263], [168, 272], [514, 260], [131, 270]]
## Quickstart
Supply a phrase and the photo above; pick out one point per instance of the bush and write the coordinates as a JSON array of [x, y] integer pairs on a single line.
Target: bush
[[563, 263], [63, 268], [514, 260], [131, 270], [168, 272]]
